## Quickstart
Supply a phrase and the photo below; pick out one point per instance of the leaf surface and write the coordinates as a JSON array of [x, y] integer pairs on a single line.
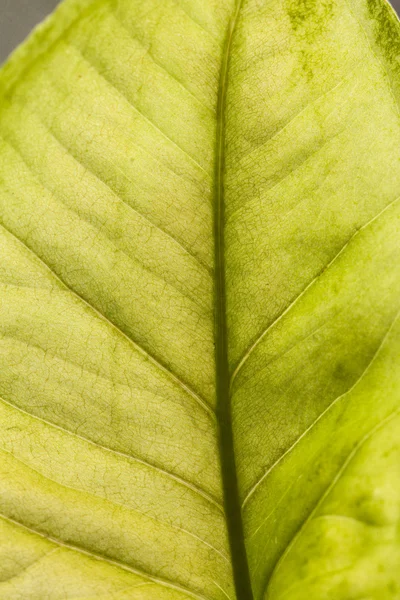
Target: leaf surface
[[199, 335]]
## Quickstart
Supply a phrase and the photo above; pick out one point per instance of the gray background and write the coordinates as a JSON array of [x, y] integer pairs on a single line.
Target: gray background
[[17, 17]]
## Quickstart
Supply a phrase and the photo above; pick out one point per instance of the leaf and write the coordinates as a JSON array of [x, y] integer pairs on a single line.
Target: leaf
[[199, 208]]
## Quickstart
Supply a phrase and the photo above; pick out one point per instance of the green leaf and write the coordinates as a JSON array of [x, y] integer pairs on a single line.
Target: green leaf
[[199, 333]]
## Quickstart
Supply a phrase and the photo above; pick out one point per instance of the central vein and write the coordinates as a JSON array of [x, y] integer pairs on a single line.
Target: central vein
[[231, 494]]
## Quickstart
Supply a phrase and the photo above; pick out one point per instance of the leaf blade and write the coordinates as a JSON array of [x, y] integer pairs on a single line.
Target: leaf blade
[[317, 155], [104, 231]]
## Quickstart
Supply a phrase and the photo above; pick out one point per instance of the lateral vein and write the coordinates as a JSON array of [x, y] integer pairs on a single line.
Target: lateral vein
[[129, 457], [325, 412], [139, 112], [369, 435], [118, 504], [118, 198], [260, 338], [129, 339], [103, 558]]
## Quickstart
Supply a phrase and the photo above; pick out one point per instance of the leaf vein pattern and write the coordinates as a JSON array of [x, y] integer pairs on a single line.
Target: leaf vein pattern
[[303, 110], [375, 56], [367, 437], [195, 21], [135, 109], [115, 327], [102, 233], [103, 558], [163, 163], [129, 457], [29, 567], [120, 504], [159, 65], [294, 170], [240, 565], [137, 213], [260, 338], [325, 412], [313, 578]]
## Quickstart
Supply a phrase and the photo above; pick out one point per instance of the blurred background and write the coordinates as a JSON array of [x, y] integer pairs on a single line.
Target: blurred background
[[18, 17]]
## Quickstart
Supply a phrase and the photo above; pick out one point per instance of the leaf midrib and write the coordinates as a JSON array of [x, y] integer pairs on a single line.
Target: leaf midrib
[[233, 513], [228, 464]]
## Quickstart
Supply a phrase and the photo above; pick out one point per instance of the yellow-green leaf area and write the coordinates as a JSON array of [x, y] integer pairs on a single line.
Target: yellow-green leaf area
[[199, 308]]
